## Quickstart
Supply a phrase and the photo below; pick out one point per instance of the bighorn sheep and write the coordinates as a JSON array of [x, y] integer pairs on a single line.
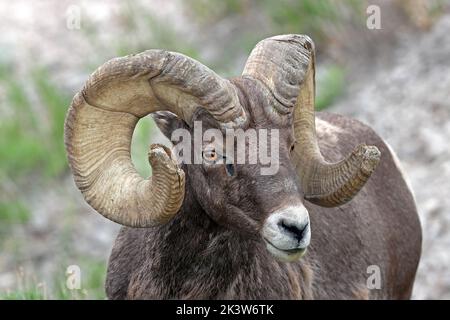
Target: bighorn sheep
[[212, 230]]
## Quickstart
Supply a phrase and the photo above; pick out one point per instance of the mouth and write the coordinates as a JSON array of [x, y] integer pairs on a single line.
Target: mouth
[[285, 255]]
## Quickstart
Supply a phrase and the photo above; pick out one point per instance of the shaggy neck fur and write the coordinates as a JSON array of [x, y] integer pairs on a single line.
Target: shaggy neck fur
[[202, 260]]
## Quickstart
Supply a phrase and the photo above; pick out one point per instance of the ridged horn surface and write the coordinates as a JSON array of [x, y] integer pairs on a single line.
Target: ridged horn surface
[[101, 120]]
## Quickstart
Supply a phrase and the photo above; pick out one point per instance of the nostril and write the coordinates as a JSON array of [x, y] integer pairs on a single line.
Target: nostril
[[294, 229]]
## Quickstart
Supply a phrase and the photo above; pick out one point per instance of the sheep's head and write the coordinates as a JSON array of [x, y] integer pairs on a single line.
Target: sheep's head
[[273, 99]]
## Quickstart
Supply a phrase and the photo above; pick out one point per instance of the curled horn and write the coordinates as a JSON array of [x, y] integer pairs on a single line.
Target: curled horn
[[285, 66], [101, 120]]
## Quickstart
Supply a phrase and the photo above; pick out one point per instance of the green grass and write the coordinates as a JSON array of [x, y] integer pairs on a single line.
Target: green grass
[[306, 16], [161, 35], [13, 211], [140, 146], [57, 103], [312, 17], [26, 144], [26, 289], [31, 140], [32, 293], [20, 150], [330, 86], [93, 274]]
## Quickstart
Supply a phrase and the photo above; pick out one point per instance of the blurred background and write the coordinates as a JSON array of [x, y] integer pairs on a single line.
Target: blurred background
[[395, 78]]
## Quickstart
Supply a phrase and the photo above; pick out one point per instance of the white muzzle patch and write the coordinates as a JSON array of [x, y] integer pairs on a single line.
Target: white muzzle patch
[[287, 233]]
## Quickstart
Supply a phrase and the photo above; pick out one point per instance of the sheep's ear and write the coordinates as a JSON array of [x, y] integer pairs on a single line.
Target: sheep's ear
[[167, 122]]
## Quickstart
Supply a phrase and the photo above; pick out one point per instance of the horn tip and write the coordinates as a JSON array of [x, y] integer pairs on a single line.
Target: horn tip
[[371, 156]]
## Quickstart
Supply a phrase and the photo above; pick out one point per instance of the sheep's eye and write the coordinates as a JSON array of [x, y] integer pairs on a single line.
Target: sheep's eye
[[230, 169], [210, 155], [292, 147]]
